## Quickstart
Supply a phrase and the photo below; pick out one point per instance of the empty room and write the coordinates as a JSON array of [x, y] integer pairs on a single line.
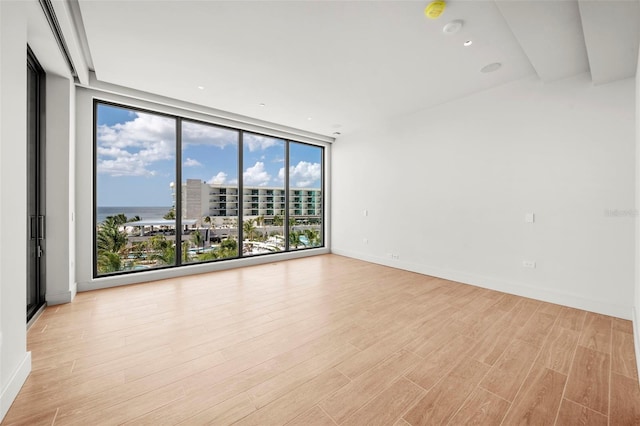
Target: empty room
[[314, 212]]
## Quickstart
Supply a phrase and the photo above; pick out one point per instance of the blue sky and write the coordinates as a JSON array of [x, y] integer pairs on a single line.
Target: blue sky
[[136, 158]]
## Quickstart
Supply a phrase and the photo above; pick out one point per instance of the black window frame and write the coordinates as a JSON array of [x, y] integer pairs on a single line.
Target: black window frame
[[179, 119]]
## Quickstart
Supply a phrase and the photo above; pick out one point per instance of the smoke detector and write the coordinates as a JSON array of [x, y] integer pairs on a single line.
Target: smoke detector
[[453, 27]]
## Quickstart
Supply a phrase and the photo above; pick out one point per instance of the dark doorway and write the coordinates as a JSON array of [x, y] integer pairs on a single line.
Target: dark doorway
[[35, 187]]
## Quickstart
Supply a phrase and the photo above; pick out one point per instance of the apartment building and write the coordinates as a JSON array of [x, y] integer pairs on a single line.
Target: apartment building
[[220, 202]]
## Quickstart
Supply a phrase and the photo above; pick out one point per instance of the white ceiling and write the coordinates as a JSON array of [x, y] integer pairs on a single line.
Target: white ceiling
[[347, 63]]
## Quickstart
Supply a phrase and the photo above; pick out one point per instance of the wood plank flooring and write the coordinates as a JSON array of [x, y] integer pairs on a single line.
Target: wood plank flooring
[[325, 340]]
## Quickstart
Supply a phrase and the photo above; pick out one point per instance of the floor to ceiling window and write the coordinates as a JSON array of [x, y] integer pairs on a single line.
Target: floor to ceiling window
[[134, 196], [168, 192], [263, 193], [305, 196], [209, 191]]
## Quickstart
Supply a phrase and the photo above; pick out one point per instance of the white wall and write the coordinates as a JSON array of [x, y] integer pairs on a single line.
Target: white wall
[[60, 139], [447, 190], [15, 361], [22, 23]]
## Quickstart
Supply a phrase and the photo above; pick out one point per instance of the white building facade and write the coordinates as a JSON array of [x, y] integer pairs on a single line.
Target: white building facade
[[222, 202]]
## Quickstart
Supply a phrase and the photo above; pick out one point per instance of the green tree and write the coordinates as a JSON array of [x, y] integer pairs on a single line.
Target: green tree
[[159, 243], [139, 249], [313, 236], [209, 255], [110, 244], [110, 237], [249, 229], [294, 237], [170, 215], [197, 240], [277, 220], [228, 248], [165, 251], [109, 261]]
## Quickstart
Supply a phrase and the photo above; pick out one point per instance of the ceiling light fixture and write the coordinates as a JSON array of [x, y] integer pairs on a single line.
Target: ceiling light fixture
[[467, 43], [262, 105], [491, 67], [453, 27], [308, 118], [337, 133], [201, 87]]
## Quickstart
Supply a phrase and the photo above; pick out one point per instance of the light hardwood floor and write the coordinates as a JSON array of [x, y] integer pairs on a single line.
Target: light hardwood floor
[[323, 341]]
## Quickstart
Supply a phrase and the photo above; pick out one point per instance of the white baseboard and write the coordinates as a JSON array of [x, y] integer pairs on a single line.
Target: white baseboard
[[518, 289], [10, 391], [59, 298]]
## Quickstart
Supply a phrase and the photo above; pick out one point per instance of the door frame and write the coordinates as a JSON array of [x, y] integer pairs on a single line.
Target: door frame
[[40, 203]]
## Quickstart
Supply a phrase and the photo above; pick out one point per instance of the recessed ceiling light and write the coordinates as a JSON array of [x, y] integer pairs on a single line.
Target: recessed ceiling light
[[467, 43], [308, 118], [453, 27], [337, 133], [201, 87], [491, 67], [262, 105]]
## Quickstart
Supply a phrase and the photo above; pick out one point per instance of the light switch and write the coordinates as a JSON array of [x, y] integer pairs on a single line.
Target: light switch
[[529, 218]]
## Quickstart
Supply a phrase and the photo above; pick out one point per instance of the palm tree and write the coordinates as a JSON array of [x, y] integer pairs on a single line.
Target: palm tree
[[207, 220], [248, 228], [110, 244], [228, 248], [197, 239], [277, 220], [109, 261], [294, 236], [110, 237], [166, 256], [260, 220], [313, 236]]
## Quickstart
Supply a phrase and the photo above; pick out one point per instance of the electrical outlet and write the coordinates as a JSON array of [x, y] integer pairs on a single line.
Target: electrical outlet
[[528, 264]]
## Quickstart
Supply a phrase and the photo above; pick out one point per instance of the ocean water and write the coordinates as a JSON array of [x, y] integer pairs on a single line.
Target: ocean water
[[146, 213]]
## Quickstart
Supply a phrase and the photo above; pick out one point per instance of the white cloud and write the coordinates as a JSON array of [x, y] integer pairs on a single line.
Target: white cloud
[[304, 174], [201, 134], [256, 175], [131, 148], [190, 162], [218, 179], [257, 142]]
